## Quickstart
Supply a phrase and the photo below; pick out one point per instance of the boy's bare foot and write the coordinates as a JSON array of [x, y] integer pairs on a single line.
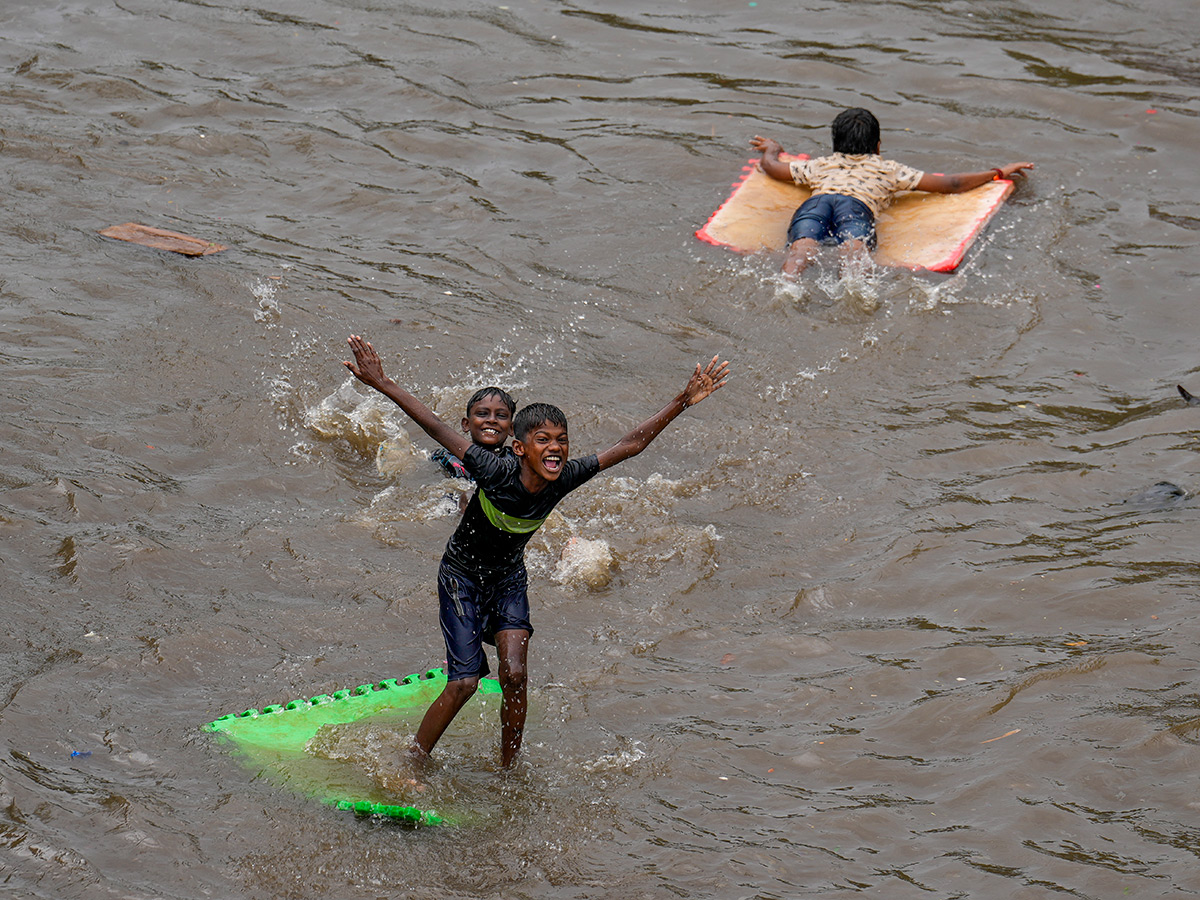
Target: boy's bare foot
[[401, 778], [402, 784]]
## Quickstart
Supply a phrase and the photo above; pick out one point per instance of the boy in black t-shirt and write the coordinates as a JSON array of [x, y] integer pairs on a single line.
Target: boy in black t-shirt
[[481, 580]]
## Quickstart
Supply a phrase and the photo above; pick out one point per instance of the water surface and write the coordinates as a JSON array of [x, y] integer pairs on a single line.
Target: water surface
[[876, 619]]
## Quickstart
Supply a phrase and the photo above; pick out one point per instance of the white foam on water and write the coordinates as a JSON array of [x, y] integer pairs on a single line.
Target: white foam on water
[[364, 421], [265, 293], [584, 561], [623, 759]]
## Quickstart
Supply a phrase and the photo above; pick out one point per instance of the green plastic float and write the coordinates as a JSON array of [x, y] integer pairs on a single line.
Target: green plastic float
[[275, 740]]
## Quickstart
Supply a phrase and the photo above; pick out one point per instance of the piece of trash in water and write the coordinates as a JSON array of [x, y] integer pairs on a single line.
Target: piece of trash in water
[[81, 752], [1006, 734], [161, 239]]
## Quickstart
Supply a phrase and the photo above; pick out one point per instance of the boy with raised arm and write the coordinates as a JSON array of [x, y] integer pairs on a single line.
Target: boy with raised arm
[[851, 186], [481, 581]]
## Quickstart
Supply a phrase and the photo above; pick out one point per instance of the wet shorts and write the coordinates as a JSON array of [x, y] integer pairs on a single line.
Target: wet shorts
[[471, 613], [833, 219]]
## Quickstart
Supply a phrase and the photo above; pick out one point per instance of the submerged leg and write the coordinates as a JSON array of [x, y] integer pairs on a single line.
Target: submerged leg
[[512, 647], [441, 713], [799, 254], [855, 257]]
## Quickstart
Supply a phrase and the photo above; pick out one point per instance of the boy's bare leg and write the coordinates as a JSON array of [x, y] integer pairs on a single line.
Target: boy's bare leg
[[512, 647], [799, 254], [856, 257], [441, 713]]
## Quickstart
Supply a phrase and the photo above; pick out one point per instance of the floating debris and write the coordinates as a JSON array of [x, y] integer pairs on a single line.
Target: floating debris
[[161, 239]]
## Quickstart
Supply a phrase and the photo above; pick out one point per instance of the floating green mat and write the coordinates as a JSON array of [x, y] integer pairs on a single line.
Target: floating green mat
[[276, 740]]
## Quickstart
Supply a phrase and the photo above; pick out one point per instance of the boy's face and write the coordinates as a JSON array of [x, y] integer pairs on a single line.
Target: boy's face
[[488, 422], [544, 451]]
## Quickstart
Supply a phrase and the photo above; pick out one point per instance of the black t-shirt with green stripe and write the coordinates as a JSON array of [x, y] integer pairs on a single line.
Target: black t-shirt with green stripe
[[502, 515]]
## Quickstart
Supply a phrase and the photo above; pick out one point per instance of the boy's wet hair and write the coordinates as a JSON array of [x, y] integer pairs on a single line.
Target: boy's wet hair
[[855, 131], [491, 391], [536, 414]]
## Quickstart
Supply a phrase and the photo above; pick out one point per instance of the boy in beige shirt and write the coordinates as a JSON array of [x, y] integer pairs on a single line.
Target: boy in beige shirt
[[852, 186]]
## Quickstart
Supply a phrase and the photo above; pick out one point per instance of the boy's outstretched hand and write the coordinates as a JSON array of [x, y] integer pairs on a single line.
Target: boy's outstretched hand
[[1017, 168], [367, 366], [766, 145], [704, 381]]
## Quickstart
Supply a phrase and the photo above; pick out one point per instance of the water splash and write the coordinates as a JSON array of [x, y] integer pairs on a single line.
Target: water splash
[[622, 759], [364, 422], [265, 292], [584, 562]]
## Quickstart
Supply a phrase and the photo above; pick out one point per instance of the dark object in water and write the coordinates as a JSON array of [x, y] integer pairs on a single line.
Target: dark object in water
[[1189, 398], [450, 464], [1163, 493]]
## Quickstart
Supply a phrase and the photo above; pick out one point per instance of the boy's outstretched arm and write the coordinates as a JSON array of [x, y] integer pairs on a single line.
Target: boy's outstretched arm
[[966, 181], [368, 369], [702, 383], [770, 162]]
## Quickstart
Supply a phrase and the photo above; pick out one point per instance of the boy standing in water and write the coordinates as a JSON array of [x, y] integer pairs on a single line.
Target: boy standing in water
[[481, 581], [852, 186]]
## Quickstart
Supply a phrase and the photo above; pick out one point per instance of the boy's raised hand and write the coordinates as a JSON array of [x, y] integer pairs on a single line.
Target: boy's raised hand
[[771, 163], [766, 145], [704, 381], [367, 367]]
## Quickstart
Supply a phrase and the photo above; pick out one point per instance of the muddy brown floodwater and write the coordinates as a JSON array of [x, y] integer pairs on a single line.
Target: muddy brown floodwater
[[874, 620]]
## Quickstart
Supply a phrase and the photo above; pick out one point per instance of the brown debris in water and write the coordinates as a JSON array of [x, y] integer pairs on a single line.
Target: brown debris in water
[[160, 239], [1006, 734]]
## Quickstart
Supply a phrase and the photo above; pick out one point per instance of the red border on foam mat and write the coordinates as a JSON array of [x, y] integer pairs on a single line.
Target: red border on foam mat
[[951, 262], [702, 233], [750, 166]]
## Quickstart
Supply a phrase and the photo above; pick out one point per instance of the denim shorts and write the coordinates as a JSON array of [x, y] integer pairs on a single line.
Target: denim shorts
[[472, 611], [833, 219]]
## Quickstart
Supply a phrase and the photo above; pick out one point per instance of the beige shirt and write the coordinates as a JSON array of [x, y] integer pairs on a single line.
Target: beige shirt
[[867, 177]]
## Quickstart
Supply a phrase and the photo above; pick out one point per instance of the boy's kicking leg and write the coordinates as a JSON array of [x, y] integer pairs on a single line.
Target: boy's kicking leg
[[854, 226], [512, 648], [855, 257], [459, 616], [799, 254], [441, 713], [810, 225]]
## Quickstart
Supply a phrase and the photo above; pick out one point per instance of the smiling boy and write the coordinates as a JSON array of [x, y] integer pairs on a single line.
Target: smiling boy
[[482, 584], [488, 423]]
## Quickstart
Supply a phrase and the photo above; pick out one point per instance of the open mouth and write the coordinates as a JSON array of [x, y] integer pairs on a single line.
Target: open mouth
[[552, 463]]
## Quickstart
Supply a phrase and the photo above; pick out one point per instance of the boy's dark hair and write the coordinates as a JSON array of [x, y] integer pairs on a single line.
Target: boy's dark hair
[[536, 414], [855, 131], [484, 393]]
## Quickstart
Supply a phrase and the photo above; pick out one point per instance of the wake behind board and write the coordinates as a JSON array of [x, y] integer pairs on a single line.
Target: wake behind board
[[918, 231], [275, 740]]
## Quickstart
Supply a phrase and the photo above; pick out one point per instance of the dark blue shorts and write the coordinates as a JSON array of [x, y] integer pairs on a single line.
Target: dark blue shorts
[[471, 612], [833, 219]]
